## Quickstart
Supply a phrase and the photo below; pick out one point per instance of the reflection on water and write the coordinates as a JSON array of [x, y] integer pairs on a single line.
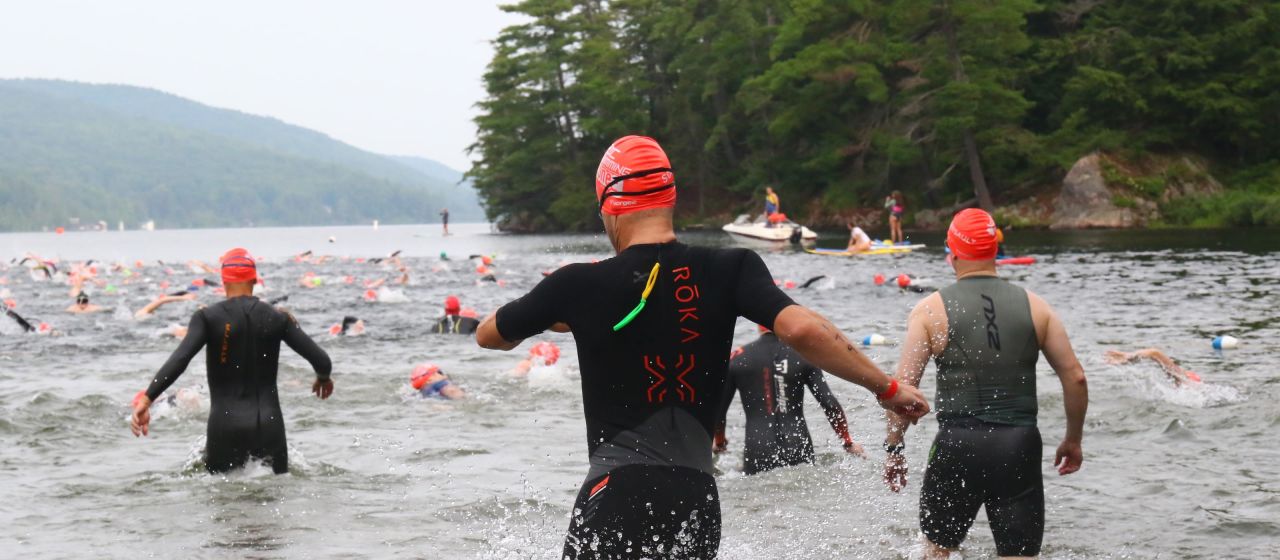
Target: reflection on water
[[1169, 472]]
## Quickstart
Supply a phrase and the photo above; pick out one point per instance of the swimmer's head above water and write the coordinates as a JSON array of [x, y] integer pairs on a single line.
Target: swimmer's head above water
[[239, 272], [452, 305]]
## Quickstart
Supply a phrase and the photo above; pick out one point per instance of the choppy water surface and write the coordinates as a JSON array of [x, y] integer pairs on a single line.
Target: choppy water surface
[[1169, 473]]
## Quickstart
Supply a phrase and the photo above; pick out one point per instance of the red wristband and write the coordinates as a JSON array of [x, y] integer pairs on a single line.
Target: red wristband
[[890, 392]]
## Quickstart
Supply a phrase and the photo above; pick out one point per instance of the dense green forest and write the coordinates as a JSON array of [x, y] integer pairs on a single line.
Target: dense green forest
[[126, 154], [838, 102]]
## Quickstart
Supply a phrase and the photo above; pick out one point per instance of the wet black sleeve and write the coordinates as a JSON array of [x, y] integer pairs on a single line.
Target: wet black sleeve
[[308, 349], [178, 361], [835, 413], [758, 298], [537, 310], [726, 399]]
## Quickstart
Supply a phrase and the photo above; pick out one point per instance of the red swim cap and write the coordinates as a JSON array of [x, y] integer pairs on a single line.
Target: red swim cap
[[421, 374], [634, 174], [546, 352], [238, 266], [972, 236], [452, 306]]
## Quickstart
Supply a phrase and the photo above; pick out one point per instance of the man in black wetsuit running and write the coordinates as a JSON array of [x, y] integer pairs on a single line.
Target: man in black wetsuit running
[[985, 335], [653, 327], [241, 337], [772, 377]]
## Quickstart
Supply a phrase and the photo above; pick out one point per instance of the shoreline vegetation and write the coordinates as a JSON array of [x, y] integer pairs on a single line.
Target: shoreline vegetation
[[1053, 114]]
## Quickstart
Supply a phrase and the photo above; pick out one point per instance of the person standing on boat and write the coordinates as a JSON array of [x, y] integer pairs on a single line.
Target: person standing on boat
[[771, 205]]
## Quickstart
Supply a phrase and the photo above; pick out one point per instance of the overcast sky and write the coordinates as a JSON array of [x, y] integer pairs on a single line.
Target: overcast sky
[[390, 76]]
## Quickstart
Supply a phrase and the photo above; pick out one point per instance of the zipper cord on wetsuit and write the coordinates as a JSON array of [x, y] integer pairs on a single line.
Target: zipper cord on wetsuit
[[644, 296]]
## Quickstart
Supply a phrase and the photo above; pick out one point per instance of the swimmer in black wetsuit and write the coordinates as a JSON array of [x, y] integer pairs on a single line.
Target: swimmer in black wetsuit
[[241, 337], [653, 372], [772, 377], [985, 335], [453, 322]]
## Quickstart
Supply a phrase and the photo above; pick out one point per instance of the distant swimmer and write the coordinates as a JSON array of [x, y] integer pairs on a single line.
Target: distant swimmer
[[985, 336], [772, 377], [82, 305], [1178, 374], [859, 241], [22, 322], [453, 321], [241, 337], [431, 383], [444, 220], [350, 326], [653, 327], [183, 400], [542, 354], [162, 301]]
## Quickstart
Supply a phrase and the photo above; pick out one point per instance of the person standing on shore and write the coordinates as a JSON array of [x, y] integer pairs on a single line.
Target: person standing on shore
[[985, 335], [653, 372]]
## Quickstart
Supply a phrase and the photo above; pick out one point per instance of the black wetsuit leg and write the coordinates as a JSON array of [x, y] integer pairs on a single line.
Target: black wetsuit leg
[[973, 464], [643, 511]]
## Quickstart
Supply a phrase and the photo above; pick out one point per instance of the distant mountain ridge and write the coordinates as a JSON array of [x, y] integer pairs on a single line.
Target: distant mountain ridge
[[122, 153]]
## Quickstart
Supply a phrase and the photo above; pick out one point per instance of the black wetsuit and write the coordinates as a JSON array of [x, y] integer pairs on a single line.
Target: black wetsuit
[[242, 339], [651, 390], [988, 450], [772, 377], [455, 324]]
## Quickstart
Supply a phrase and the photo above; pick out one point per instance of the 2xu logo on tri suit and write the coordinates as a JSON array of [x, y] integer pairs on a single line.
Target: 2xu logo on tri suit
[[993, 330], [687, 295]]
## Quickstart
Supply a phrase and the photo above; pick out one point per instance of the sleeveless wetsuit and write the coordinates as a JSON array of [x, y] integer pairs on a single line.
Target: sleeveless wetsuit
[[651, 390], [987, 451], [772, 377], [455, 324], [241, 337]]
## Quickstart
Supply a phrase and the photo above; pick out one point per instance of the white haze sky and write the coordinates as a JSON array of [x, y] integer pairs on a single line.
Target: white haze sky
[[389, 76]]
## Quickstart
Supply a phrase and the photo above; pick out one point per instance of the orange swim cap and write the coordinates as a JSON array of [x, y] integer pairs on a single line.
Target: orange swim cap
[[238, 266], [972, 236], [634, 175], [421, 374], [546, 352]]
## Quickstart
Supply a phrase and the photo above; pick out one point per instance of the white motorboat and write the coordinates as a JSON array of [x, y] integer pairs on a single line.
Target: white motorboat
[[780, 232]]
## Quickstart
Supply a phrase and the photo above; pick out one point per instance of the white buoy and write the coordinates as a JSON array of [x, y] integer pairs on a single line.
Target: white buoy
[[1225, 342], [375, 224], [332, 239], [874, 340]]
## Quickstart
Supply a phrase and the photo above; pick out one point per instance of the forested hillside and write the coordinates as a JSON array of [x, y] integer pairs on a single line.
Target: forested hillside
[[838, 102], [119, 153]]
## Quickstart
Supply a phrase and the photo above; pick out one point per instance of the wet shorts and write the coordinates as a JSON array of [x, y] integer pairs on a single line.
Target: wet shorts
[[643, 511], [974, 464]]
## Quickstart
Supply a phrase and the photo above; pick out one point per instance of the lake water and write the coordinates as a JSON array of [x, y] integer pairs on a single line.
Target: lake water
[[1169, 473]]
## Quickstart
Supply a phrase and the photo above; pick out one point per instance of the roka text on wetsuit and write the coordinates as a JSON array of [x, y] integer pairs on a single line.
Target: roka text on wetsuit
[[651, 391], [772, 377], [988, 450], [241, 337]]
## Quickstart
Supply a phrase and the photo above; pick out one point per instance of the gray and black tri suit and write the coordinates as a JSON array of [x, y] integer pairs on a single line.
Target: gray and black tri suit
[[988, 450]]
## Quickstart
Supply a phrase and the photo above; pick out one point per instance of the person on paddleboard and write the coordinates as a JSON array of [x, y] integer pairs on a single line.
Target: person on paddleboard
[[859, 241], [653, 327]]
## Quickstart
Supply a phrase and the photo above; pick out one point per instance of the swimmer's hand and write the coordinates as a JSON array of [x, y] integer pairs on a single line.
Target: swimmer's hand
[[908, 402], [1068, 458], [853, 448], [322, 388], [895, 471], [141, 418]]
